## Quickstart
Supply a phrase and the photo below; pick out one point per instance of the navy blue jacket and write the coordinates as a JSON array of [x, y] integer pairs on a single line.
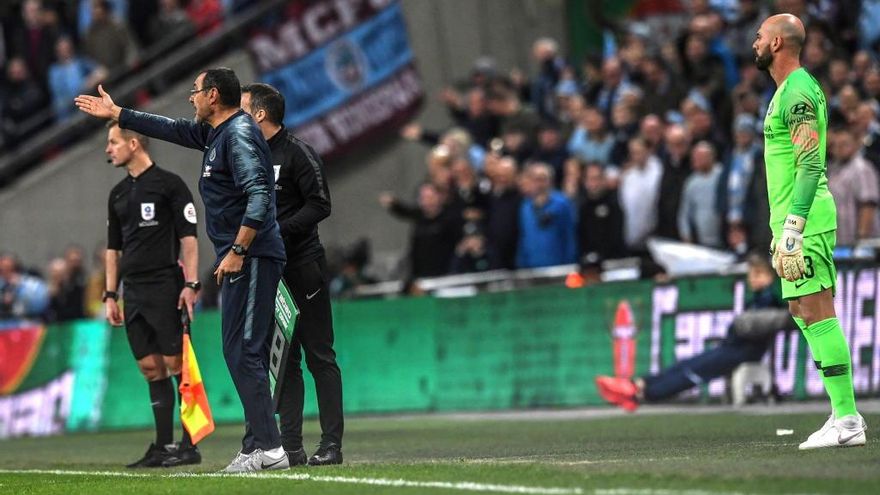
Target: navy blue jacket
[[236, 183]]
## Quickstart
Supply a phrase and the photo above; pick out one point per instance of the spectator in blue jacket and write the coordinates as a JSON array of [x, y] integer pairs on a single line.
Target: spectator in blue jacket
[[69, 76], [547, 223]]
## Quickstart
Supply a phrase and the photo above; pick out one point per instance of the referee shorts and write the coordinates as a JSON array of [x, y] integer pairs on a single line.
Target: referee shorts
[[152, 320]]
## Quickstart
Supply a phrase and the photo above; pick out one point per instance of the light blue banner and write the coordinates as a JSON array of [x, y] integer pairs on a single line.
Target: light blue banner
[[350, 64]]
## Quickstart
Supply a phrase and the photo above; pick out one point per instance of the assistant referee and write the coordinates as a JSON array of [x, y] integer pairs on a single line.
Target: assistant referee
[[151, 219], [303, 199]]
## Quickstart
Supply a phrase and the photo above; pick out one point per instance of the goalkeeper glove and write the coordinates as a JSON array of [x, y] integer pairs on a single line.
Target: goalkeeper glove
[[788, 256]]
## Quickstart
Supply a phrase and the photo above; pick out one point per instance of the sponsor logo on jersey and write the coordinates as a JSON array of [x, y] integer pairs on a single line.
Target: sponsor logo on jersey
[[213, 154]]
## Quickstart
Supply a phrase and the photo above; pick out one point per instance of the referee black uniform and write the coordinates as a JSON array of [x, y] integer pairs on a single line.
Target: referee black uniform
[[303, 199], [147, 217]]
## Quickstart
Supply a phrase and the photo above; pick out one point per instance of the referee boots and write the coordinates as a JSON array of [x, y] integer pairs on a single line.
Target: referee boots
[[184, 455], [326, 455], [297, 457], [154, 457]]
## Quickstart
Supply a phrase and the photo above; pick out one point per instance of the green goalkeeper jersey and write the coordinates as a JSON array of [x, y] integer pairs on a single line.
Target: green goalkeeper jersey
[[794, 154]]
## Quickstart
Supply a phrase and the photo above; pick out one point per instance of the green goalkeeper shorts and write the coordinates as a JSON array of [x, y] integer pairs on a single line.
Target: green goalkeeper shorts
[[820, 273]]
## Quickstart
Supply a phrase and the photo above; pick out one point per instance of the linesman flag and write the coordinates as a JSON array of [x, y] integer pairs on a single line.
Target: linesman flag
[[195, 412]]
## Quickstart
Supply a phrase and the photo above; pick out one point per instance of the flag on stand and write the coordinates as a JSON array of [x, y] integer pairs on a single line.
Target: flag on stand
[[195, 412]]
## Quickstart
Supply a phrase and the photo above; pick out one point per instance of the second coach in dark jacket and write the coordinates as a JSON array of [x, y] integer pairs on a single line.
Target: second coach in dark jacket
[[302, 200]]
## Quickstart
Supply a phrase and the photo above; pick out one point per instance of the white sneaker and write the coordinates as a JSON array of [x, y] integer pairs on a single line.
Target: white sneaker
[[848, 431], [259, 460]]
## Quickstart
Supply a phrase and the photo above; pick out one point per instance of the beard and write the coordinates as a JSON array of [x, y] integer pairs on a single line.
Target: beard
[[763, 61]]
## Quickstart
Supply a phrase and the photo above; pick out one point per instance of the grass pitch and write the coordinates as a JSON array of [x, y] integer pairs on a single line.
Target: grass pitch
[[661, 451]]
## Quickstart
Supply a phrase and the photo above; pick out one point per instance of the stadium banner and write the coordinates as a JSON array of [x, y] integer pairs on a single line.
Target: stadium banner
[[345, 69], [539, 347]]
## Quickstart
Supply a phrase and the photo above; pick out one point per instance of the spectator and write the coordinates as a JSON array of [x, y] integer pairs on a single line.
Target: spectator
[[614, 86], [854, 184], [551, 149], [546, 219], [639, 190], [352, 274], [107, 41], [698, 219], [25, 99], [21, 295], [70, 76], [435, 232], [65, 298], [34, 42], [675, 157], [626, 125], [172, 22], [746, 201], [206, 15], [600, 219], [591, 141], [545, 53], [514, 116], [502, 212], [651, 131], [663, 92], [471, 254], [867, 130], [741, 32], [85, 15]]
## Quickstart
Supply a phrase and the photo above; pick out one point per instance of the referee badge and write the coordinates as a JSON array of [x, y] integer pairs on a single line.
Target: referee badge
[[148, 211]]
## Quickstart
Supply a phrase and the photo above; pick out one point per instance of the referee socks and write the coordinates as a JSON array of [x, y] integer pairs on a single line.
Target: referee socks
[[162, 400]]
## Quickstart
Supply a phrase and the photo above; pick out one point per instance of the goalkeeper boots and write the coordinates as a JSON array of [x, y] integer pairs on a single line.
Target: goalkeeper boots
[[184, 455], [621, 392], [154, 457], [326, 455], [848, 431]]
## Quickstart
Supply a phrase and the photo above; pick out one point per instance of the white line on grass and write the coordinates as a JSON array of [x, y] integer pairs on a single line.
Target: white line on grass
[[401, 483]]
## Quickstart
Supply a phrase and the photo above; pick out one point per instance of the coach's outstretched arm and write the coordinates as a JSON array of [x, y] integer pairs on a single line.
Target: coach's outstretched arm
[[180, 131]]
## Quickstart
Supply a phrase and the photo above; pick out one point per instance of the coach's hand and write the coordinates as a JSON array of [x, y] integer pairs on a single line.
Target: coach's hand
[[114, 312], [231, 264], [187, 299], [98, 106], [788, 257]]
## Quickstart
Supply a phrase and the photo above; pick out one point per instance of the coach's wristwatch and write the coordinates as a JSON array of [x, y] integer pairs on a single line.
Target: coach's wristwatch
[[194, 285], [109, 294], [239, 249]]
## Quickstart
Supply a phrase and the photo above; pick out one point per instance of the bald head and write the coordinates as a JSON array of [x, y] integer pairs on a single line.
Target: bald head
[[779, 41], [789, 28]]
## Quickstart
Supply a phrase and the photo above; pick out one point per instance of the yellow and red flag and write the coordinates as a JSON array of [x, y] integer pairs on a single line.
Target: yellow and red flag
[[195, 412]]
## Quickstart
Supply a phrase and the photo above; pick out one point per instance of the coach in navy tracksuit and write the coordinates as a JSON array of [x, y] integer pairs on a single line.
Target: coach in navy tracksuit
[[237, 189]]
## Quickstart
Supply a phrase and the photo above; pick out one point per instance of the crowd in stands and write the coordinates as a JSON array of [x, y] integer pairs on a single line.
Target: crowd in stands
[[660, 135], [52, 50], [65, 291]]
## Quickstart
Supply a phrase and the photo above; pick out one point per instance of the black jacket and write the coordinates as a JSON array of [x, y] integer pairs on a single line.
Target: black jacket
[[302, 197]]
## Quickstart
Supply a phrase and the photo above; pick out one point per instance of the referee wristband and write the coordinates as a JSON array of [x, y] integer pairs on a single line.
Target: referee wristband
[[109, 294]]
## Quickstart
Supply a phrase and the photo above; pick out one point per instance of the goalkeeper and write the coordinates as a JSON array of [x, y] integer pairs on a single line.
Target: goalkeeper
[[803, 219]]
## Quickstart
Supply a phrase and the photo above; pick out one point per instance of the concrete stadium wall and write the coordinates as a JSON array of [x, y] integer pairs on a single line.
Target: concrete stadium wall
[[65, 200]]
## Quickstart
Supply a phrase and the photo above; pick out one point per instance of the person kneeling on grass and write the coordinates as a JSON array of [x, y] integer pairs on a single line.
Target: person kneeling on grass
[[747, 340]]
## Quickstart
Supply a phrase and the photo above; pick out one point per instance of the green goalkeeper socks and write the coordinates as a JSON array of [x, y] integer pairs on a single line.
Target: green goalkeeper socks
[[811, 342], [827, 338]]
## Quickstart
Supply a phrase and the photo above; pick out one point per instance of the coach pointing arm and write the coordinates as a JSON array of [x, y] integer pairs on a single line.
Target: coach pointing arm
[[184, 132]]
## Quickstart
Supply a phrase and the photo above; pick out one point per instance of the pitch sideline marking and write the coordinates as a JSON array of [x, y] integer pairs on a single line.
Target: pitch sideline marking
[[402, 483]]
